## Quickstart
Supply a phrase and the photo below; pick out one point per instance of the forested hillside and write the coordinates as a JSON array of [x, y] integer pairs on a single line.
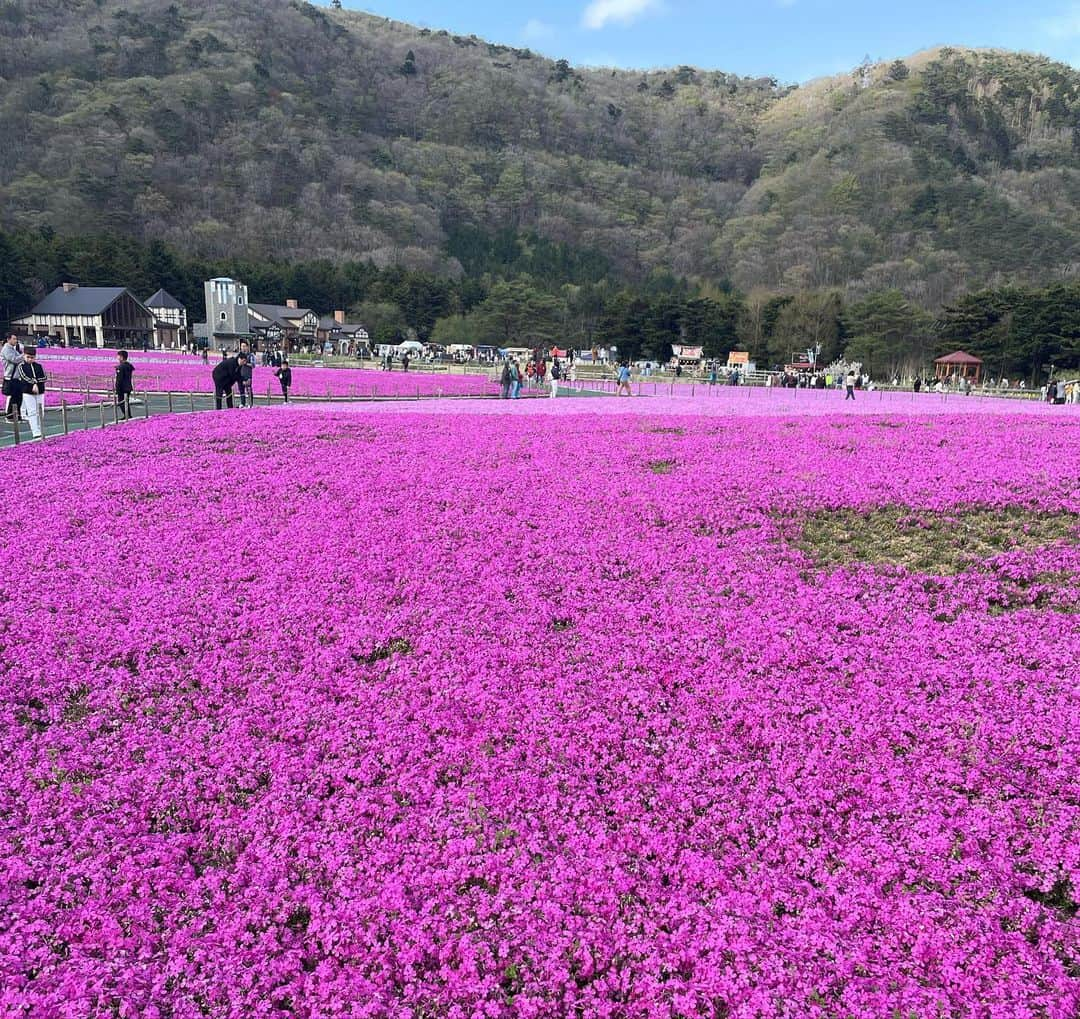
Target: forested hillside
[[283, 129]]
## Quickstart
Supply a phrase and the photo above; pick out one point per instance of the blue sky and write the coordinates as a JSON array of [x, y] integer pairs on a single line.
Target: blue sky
[[793, 40]]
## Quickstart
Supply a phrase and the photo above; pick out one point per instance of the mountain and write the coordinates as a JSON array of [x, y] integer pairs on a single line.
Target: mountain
[[288, 130]]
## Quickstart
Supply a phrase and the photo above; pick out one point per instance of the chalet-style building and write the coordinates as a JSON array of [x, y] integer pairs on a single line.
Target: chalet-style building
[[172, 319], [92, 317], [231, 318], [283, 325], [346, 337]]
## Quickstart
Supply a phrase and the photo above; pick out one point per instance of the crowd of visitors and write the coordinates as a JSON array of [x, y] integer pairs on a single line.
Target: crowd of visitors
[[25, 380], [1062, 391], [539, 374]]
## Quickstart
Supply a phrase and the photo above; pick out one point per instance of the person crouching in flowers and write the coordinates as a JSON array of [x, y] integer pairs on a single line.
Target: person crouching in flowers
[[31, 379]]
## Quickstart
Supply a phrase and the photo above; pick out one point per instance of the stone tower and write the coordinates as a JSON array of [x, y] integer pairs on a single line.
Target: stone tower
[[226, 307]]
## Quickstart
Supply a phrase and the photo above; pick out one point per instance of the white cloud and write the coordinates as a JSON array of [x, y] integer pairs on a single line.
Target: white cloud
[[601, 12], [536, 30], [1065, 26]]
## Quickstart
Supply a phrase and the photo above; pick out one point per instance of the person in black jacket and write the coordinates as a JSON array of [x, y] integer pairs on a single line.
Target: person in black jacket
[[284, 376], [124, 386], [226, 375], [30, 377]]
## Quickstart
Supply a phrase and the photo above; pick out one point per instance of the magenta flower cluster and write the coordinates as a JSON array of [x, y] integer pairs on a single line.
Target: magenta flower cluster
[[157, 373], [458, 715]]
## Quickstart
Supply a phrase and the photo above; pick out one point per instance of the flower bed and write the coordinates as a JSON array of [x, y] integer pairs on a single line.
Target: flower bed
[[551, 715], [192, 376]]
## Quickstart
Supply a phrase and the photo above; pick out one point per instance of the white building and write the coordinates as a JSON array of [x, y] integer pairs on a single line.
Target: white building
[[93, 317], [172, 319]]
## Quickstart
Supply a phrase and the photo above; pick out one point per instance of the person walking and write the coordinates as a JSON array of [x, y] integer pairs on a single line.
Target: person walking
[[505, 381], [12, 357], [624, 380], [226, 374], [30, 377], [515, 379], [556, 374], [849, 386], [284, 377], [123, 386]]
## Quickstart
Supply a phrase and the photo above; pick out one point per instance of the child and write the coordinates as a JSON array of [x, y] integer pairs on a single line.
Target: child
[[284, 376]]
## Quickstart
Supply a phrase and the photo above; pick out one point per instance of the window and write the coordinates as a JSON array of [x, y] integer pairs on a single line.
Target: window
[[223, 316]]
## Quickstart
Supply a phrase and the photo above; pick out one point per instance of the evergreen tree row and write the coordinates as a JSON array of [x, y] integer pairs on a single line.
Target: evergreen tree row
[[526, 292]]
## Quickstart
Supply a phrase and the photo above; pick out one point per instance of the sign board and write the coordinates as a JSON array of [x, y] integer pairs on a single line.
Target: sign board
[[684, 353]]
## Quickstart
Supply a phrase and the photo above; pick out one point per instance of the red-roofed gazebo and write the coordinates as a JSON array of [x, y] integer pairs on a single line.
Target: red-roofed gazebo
[[959, 363]]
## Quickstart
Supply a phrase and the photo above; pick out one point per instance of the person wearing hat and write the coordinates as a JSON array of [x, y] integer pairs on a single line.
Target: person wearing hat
[[30, 377], [226, 374]]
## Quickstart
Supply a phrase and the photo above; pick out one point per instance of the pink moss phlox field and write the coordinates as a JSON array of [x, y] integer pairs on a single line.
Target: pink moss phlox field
[[455, 715], [153, 373], [757, 401]]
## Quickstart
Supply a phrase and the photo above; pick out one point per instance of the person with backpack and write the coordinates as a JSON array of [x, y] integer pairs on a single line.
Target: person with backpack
[[284, 377], [31, 377], [123, 385]]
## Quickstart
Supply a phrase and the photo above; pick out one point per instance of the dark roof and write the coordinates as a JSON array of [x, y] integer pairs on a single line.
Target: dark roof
[[329, 322], [275, 311], [81, 300], [959, 357], [163, 300], [281, 323]]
